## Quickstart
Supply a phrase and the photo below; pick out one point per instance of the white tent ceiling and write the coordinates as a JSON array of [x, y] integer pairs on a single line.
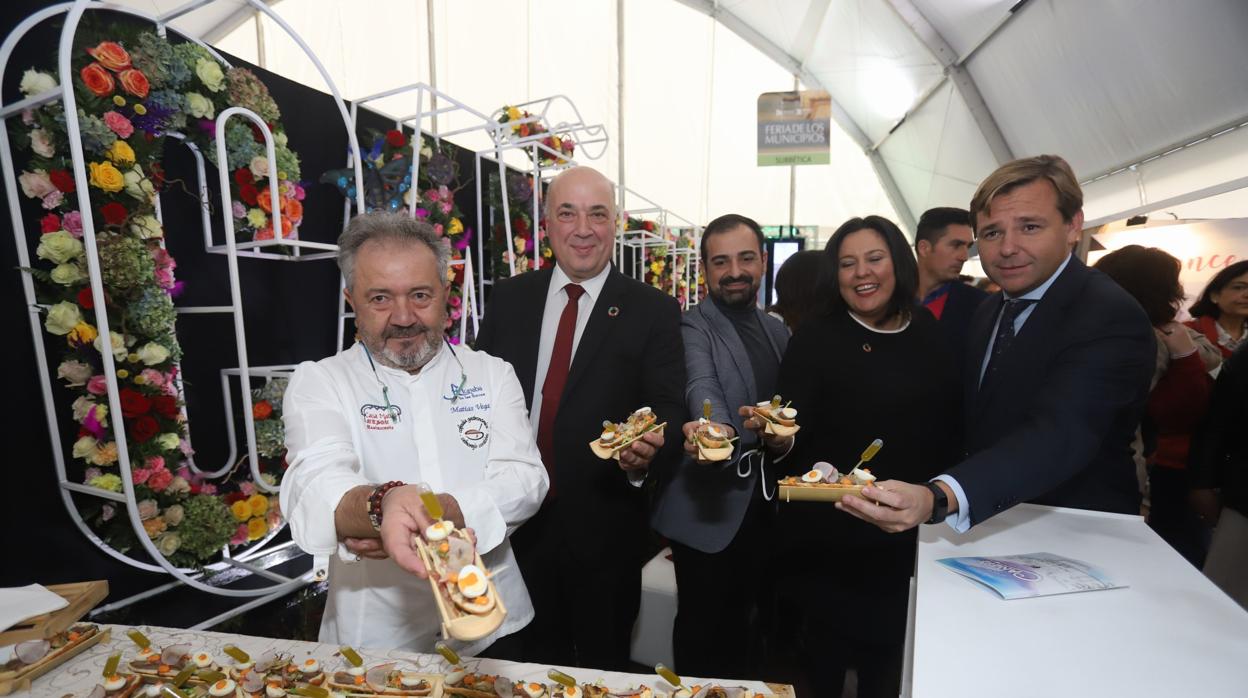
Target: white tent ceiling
[[1148, 99]]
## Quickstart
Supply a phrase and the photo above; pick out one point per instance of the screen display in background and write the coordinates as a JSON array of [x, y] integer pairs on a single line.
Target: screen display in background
[[780, 251]]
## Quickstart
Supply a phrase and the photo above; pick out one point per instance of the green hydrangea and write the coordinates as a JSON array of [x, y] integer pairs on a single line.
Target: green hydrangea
[[96, 137], [240, 145], [125, 263], [246, 90], [288, 163], [151, 314], [160, 60], [206, 527], [273, 391], [270, 438]]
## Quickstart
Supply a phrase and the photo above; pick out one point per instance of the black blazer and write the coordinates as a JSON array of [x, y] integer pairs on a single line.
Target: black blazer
[[1055, 424], [955, 319], [630, 355]]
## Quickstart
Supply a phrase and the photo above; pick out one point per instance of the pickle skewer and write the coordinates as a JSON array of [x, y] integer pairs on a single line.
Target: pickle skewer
[[870, 452], [430, 500], [238, 655], [560, 677], [110, 666], [669, 675], [351, 656], [447, 653]]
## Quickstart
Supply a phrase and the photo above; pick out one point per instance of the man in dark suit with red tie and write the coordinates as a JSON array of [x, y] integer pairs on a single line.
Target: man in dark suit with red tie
[[1056, 372], [588, 344]]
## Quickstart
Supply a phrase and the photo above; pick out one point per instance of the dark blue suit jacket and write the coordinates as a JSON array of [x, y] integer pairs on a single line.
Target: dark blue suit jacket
[[955, 319], [1055, 423]]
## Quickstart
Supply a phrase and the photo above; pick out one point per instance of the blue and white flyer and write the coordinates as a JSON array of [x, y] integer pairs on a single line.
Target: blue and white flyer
[[1034, 574]]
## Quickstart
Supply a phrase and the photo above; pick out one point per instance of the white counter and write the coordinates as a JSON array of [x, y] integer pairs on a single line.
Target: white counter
[[1170, 633]]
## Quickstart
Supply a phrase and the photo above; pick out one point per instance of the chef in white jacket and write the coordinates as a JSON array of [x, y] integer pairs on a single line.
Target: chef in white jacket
[[403, 406]]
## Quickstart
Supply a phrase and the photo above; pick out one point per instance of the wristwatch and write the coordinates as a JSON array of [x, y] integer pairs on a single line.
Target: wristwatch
[[940, 503]]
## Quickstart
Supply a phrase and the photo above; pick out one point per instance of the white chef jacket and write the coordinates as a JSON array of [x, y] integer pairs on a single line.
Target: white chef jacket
[[478, 448]]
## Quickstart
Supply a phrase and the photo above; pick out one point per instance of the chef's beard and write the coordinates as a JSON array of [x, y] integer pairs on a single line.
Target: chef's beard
[[412, 359]]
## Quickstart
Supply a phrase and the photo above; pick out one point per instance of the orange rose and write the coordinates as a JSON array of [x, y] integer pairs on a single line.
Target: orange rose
[[262, 410], [265, 201], [98, 80], [134, 82], [294, 209], [110, 55]]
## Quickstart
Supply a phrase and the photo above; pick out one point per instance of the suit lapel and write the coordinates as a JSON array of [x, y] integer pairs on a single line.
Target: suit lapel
[[980, 334], [1042, 324], [601, 320], [529, 333], [722, 327]]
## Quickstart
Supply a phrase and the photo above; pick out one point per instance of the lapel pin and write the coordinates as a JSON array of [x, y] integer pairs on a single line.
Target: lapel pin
[[613, 311], [866, 346]]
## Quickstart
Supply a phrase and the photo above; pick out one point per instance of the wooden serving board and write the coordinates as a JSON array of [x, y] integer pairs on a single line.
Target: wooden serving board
[[20, 681], [614, 452], [815, 493], [458, 624], [82, 597]]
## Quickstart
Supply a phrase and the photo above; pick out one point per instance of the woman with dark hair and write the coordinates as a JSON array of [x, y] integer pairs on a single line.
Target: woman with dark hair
[[1221, 312], [796, 282], [1179, 397], [869, 364]]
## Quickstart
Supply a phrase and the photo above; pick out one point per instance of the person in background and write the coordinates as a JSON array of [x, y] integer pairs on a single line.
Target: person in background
[[795, 288], [988, 286], [715, 514], [1056, 374], [1221, 312], [870, 364], [942, 242], [588, 344], [1219, 466], [1179, 397]]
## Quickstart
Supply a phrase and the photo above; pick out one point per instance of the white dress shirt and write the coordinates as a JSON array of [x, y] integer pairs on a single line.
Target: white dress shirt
[[960, 520], [556, 301], [473, 443]]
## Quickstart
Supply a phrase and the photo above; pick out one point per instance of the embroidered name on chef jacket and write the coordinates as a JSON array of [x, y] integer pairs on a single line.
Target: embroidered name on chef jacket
[[379, 418], [469, 398]]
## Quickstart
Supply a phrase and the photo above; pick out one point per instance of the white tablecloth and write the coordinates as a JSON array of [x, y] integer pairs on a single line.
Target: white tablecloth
[[81, 673], [1170, 633]]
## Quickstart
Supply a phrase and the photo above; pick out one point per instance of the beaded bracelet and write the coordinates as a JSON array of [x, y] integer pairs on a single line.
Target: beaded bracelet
[[374, 502]]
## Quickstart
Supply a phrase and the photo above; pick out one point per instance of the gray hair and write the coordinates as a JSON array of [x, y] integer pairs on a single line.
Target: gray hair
[[384, 226]]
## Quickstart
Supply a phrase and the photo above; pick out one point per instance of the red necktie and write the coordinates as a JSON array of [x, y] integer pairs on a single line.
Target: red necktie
[[556, 379]]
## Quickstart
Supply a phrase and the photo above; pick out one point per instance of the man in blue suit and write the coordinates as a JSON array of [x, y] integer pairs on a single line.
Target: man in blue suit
[[942, 244], [715, 514], [1056, 372]]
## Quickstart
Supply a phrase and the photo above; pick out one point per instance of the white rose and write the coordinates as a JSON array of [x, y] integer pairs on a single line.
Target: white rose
[[168, 543], [174, 514], [62, 318], [151, 354], [139, 186], [81, 408], [148, 509], [146, 227], [41, 143], [35, 82], [118, 345], [36, 184], [59, 247], [200, 106], [84, 447], [209, 73], [75, 373], [68, 274], [176, 486], [260, 166], [168, 441]]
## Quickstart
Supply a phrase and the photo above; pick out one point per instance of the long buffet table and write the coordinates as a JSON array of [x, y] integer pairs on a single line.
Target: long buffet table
[[79, 675], [1170, 633]]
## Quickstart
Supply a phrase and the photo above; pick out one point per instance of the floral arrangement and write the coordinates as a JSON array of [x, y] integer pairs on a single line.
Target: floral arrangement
[[387, 170], [131, 91], [520, 247], [563, 145]]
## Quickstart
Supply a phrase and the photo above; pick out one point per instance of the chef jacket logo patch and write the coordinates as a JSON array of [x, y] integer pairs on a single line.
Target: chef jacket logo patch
[[474, 432], [380, 418], [468, 392]]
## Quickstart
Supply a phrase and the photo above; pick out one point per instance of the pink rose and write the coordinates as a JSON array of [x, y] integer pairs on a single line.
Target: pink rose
[[185, 447], [118, 124], [169, 388], [455, 340], [455, 313], [299, 193], [437, 228], [97, 385], [36, 184], [155, 462], [28, 116], [446, 207], [159, 480], [107, 512], [240, 535], [140, 475], [238, 209], [455, 301], [247, 488], [422, 213], [73, 223], [91, 474], [153, 377], [207, 489], [53, 199]]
